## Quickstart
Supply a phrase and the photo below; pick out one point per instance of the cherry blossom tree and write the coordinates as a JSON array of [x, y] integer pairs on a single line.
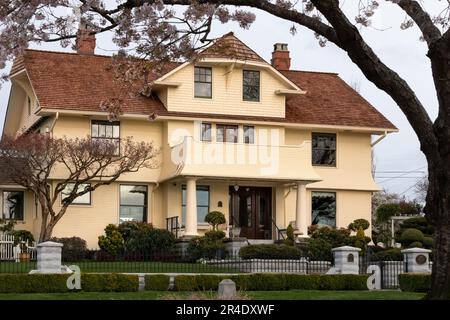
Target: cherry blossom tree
[[81, 166], [165, 30]]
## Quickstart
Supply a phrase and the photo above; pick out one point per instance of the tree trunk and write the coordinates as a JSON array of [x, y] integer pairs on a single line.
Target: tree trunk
[[437, 210]]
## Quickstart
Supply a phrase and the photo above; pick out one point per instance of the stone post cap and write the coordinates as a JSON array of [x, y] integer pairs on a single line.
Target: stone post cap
[[227, 281], [416, 250], [50, 244], [346, 248]]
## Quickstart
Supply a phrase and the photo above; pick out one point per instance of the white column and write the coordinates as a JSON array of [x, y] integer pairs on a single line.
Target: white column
[[191, 208], [301, 218]]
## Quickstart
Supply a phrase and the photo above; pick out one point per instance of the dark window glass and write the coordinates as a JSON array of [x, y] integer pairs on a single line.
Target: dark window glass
[[13, 205], [251, 83], [133, 203], [203, 82], [249, 134], [227, 133], [106, 130], [202, 203], [206, 132], [29, 106], [324, 149], [324, 208], [84, 199]]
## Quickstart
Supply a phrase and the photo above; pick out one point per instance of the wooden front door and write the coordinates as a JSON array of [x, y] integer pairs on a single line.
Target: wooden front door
[[251, 210]]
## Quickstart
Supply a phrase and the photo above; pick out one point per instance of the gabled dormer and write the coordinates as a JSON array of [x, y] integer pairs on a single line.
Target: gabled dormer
[[227, 78]]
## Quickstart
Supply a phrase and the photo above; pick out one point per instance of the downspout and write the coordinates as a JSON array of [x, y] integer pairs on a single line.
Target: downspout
[[50, 130], [379, 139]]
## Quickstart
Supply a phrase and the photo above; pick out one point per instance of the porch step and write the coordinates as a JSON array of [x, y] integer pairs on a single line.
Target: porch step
[[260, 241]]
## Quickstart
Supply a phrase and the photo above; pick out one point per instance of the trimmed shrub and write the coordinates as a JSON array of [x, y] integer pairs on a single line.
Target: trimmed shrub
[[215, 234], [215, 218], [206, 248], [319, 249], [393, 254], [74, 248], [157, 282], [146, 239], [112, 242], [415, 244], [56, 283], [414, 282], [290, 237], [358, 224], [273, 282], [386, 211], [269, 251], [411, 235], [419, 223], [428, 242]]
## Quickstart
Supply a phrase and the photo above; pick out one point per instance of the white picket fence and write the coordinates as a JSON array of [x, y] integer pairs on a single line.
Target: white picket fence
[[10, 252]]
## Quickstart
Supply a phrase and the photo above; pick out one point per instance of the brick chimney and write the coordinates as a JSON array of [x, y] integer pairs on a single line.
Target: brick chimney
[[280, 57], [85, 42]]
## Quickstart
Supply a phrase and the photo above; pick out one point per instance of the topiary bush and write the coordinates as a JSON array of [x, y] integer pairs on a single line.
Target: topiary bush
[[414, 282], [415, 244], [428, 242], [269, 251], [409, 236], [74, 248], [215, 218], [393, 254], [386, 211], [290, 238], [359, 224], [215, 234], [206, 248], [419, 223]]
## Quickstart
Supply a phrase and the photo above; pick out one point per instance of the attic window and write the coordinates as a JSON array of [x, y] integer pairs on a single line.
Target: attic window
[[203, 82], [251, 85]]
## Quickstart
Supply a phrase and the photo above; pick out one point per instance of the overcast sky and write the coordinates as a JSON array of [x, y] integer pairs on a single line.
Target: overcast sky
[[399, 49]]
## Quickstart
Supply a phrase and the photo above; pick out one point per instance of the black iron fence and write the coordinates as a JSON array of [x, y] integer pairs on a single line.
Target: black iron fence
[[175, 261], [389, 270]]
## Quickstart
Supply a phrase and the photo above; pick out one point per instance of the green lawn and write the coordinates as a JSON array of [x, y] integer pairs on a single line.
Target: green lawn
[[123, 266], [254, 295]]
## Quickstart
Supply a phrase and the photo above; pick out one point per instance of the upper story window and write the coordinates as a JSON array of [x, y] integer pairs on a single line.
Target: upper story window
[[227, 133], [203, 82], [206, 132], [251, 85], [249, 134], [324, 149], [13, 205], [107, 130], [84, 199]]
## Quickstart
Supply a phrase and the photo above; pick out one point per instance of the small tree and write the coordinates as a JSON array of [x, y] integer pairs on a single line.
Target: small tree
[[215, 218], [82, 165]]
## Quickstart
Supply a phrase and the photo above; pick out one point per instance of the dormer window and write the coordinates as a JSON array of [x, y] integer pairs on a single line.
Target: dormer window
[[203, 82], [251, 85]]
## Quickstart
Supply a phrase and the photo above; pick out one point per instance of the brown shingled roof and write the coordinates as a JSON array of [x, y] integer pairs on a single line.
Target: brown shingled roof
[[230, 47], [81, 82]]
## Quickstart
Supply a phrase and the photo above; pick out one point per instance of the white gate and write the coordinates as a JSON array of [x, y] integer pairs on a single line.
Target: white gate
[[10, 252]]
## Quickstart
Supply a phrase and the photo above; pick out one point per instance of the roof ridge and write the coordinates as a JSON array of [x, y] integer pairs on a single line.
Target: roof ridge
[[310, 71], [69, 53]]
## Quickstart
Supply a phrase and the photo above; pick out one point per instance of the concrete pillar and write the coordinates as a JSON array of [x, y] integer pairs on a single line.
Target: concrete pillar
[[301, 217], [191, 208], [417, 260], [346, 260], [49, 257]]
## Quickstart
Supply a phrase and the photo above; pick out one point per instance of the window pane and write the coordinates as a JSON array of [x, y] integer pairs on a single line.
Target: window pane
[[202, 203], [101, 131], [206, 132], [131, 214], [249, 134], [95, 130], [109, 131], [220, 134], [116, 131], [324, 149], [232, 134], [324, 208], [13, 205], [133, 195], [251, 85], [84, 199], [203, 90]]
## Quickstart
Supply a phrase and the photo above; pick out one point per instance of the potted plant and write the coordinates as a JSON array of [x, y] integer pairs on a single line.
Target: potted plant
[[22, 238]]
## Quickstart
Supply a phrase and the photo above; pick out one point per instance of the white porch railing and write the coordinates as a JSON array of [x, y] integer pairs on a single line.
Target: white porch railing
[[10, 252]]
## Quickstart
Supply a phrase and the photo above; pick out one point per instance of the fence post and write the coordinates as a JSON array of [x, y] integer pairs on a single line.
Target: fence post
[[346, 260], [417, 260], [49, 258]]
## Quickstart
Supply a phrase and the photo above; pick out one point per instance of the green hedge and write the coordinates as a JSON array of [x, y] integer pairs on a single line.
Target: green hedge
[[157, 282], [414, 282], [56, 283], [273, 282]]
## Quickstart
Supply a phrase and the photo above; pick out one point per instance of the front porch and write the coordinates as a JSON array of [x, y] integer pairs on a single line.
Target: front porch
[[254, 210]]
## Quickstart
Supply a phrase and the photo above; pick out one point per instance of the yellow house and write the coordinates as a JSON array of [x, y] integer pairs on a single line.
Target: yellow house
[[266, 145]]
